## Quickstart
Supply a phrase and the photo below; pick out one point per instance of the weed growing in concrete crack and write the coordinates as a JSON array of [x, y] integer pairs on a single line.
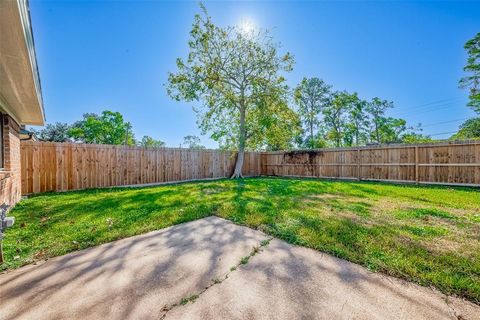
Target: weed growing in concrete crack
[[192, 298], [265, 242], [244, 260]]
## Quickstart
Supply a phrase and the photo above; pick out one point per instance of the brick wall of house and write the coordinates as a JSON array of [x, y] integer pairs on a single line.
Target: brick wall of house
[[10, 180]]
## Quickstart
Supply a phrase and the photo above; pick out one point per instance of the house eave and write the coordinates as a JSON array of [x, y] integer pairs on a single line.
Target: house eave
[[20, 92]]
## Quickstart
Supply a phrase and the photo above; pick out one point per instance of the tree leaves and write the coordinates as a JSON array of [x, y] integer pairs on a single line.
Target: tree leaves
[[192, 142], [148, 141], [235, 77], [106, 128], [472, 80], [470, 129], [54, 132]]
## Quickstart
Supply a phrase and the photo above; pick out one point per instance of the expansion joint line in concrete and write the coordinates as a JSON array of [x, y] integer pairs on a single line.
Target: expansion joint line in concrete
[[244, 260]]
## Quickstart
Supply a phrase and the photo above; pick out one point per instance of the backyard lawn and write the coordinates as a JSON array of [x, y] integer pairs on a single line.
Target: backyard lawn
[[430, 235]]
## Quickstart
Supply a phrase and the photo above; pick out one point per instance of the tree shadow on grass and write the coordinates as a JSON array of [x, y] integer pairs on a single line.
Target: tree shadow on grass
[[87, 218]]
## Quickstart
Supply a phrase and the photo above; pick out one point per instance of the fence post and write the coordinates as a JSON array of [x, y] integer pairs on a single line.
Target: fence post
[[416, 164], [358, 165]]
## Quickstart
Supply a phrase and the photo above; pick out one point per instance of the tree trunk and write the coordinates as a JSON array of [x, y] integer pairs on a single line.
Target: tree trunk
[[311, 134], [357, 134], [338, 137], [237, 173]]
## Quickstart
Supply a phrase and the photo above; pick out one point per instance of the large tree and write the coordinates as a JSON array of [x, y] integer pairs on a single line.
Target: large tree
[[335, 116], [355, 133], [231, 73], [107, 128], [376, 110], [311, 96], [54, 132], [472, 80]]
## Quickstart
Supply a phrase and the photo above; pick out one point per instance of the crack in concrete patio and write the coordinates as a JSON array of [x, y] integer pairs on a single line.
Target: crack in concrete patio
[[244, 260]]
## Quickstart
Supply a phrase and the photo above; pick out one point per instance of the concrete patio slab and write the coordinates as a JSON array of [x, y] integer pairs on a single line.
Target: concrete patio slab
[[133, 278], [143, 277], [289, 282]]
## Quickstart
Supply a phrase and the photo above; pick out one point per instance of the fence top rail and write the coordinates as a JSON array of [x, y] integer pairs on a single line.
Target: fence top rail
[[382, 147], [123, 147], [298, 151]]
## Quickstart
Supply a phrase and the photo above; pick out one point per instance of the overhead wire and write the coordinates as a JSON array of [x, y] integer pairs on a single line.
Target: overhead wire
[[442, 122]]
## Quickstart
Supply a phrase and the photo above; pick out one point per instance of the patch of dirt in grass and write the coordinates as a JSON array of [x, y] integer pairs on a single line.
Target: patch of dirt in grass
[[214, 190], [338, 203], [384, 205], [321, 199], [476, 232], [470, 215], [403, 239], [440, 230], [324, 196], [397, 211], [443, 245]]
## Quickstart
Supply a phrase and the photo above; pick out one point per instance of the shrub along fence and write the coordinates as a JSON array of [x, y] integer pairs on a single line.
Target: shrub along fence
[[50, 166], [451, 163]]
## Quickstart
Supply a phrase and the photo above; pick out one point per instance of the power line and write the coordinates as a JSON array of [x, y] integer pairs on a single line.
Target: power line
[[434, 109], [443, 122], [429, 109], [441, 133], [438, 106], [435, 103]]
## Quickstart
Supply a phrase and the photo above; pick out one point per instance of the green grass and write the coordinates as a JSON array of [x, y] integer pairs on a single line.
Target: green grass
[[430, 235]]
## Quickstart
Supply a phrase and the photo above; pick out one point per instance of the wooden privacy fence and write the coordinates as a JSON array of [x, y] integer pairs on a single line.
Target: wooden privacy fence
[[454, 163], [50, 166]]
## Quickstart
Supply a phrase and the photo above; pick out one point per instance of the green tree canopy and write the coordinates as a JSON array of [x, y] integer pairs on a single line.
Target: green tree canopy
[[192, 142], [273, 125], [393, 130], [311, 96], [54, 132], [356, 127], [106, 128], [335, 116], [148, 141], [470, 129], [472, 80], [376, 110], [412, 137], [232, 74]]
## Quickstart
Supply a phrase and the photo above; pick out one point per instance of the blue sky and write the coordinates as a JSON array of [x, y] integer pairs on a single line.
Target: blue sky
[[116, 55]]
